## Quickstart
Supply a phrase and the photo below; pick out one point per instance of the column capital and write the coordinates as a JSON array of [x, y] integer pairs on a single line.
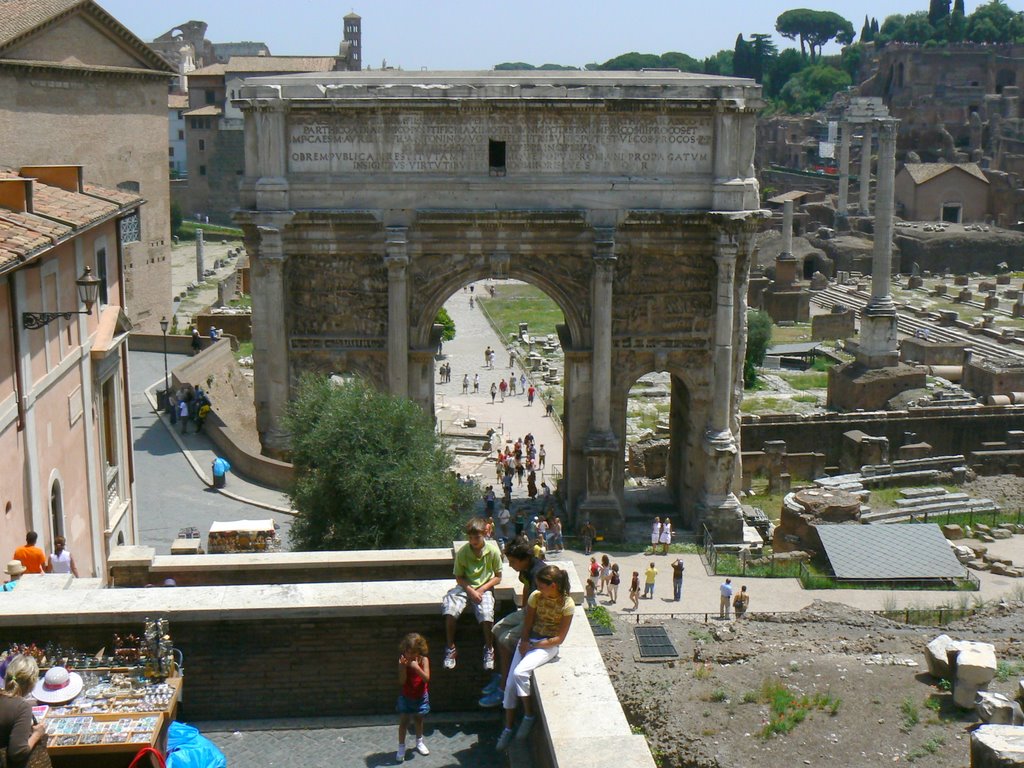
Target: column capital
[[887, 127], [396, 247], [604, 246], [271, 246]]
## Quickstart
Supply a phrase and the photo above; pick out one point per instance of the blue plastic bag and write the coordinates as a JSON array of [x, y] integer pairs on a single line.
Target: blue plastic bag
[[188, 748]]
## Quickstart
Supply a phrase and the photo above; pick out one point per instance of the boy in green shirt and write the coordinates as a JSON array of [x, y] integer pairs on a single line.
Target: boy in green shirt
[[477, 572]]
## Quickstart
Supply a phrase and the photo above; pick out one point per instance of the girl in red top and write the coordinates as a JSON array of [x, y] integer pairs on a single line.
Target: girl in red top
[[413, 675]]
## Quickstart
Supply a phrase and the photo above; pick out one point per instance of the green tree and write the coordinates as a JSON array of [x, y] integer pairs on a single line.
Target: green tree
[[781, 69], [813, 29], [759, 340], [719, 64], [370, 471], [514, 65], [445, 320], [956, 28], [681, 61], [811, 89], [176, 217], [764, 52], [995, 22], [938, 10], [866, 35], [917, 28], [742, 57], [632, 61]]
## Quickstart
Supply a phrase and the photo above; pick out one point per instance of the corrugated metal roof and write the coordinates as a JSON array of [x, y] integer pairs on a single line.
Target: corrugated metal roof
[[893, 551], [799, 348]]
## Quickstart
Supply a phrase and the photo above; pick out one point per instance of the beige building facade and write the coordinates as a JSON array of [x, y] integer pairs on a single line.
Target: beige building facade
[[957, 193], [78, 87], [65, 422], [629, 198]]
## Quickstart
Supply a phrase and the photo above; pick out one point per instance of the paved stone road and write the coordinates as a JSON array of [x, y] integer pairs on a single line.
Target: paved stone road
[[454, 740]]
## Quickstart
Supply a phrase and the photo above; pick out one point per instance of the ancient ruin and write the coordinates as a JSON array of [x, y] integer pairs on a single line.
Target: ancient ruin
[[629, 198]]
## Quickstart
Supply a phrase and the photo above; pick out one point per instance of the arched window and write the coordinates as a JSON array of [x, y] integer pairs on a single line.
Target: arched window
[[56, 509]]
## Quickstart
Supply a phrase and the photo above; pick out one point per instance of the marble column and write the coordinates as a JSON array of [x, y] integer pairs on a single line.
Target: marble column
[[844, 168], [270, 340], [787, 228], [878, 340], [601, 314], [723, 512], [200, 256], [602, 452], [865, 171], [397, 260]]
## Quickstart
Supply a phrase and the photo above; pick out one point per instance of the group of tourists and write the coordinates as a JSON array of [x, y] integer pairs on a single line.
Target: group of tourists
[[514, 647], [30, 558], [189, 405], [445, 372]]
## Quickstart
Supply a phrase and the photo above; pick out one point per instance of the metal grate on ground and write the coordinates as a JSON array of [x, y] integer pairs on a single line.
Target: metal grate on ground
[[654, 642], [599, 630]]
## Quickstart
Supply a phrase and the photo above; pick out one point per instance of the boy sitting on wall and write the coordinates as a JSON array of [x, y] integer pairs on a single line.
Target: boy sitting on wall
[[477, 572]]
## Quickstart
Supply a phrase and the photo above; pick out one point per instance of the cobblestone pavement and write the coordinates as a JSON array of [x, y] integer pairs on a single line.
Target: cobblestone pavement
[[454, 740]]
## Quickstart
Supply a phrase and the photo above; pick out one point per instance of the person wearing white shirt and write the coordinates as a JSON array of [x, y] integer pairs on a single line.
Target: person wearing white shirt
[[61, 560]]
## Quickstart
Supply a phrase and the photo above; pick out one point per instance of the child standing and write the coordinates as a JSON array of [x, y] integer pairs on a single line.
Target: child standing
[[477, 572], [606, 574], [591, 594], [413, 701], [595, 569], [548, 617]]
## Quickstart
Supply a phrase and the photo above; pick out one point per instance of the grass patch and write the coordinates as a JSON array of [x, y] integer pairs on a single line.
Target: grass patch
[[766, 404], [600, 616], [1006, 669], [703, 671], [790, 334], [244, 301], [514, 303], [244, 350], [805, 381], [788, 710], [909, 715], [749, 697], [969, 518], [187, 230], [719, 695], [805, 399], [701, 635], [927, 749], [733, 565]]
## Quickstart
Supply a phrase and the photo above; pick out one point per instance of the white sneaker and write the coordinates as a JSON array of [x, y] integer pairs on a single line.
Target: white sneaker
[[400, 756], [421, 747], [524, 728], [488, 658], [449, 658], [504, 739]]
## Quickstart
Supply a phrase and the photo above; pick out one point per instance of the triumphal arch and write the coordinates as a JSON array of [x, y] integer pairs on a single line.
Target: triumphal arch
[[630, 198]]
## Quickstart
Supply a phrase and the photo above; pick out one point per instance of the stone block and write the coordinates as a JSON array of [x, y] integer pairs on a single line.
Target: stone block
[[975, 663], [935, 656], [952, 532], [997, 746], [988, 539], [964, 696], [999, 709], [978, 565], [1001, 533], [941, 289], [960, 280], [982, 528]]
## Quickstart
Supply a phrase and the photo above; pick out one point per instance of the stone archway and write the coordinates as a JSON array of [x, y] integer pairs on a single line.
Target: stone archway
[[629, 198]]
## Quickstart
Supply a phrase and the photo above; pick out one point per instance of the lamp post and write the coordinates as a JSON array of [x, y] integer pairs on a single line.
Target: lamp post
[[88, 292], [163, 327]]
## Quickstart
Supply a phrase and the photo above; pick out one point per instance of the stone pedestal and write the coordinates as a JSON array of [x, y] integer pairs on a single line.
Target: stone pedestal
[[601, 506], [804, 511], [853, 385]]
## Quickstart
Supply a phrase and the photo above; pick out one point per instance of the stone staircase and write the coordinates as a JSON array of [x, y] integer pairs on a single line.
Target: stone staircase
[[931, 501]]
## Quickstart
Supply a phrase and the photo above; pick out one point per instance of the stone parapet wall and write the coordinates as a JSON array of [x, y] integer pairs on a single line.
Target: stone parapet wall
[[948, 430]]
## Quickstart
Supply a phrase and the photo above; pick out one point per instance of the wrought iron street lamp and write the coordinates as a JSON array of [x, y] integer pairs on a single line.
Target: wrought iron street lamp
[[163, 327], [88, 292]]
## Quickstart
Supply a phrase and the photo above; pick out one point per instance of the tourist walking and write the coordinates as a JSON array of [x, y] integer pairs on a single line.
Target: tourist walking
[[494, 391], [634, 590], [606, 574], [487, 357], [741, 602], [530, 394], [197, 341], [503, 388], [649, 576], [677, 579], [511, 358], [522, 382], [490, 359], [587, 533], [541, 456], [413, 700], [613, 585], [725, 599], [61, 560], [476, 383], [465, 384], [512, 384]]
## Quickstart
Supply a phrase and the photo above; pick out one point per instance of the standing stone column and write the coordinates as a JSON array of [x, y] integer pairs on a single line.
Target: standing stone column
[[723, 512], [601, 450], [601, 313], [787, 228], [844, 168], [397, 260], [865, 171], [200, 256], [878, 341], [270, 340]]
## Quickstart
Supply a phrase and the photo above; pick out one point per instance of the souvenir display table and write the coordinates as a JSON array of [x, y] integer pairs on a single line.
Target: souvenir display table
[[241, 536]]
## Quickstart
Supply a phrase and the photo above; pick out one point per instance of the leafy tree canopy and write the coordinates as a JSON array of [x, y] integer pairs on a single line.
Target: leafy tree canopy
[[370, 471], [521, 65], [636, 61], [759, 340], [814, 28], [995, 22], [811, 89], [782, 67], [445, 321]]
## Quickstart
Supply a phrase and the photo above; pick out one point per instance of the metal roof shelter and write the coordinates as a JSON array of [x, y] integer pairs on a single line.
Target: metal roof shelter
[[895, 551]]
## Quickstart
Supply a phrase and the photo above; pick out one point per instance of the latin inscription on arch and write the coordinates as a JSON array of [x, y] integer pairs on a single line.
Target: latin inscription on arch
[[449, 143]]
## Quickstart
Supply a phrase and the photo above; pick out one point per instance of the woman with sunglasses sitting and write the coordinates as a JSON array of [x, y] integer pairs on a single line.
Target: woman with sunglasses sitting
[[549, 611]]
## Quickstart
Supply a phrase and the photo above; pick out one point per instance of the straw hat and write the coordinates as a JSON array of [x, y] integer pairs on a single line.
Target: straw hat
[[15, 568], [58, 686]]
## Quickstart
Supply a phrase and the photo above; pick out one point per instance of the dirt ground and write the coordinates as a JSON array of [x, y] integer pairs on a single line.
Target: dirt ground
[[706, 709]]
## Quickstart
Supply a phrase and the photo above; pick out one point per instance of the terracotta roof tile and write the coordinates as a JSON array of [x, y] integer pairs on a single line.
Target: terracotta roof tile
[[77, 209], [18, 17], [279, 64], [212, 69], [113, 195]]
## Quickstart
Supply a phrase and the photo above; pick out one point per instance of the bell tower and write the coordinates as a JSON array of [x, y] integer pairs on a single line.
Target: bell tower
[[353, 35]]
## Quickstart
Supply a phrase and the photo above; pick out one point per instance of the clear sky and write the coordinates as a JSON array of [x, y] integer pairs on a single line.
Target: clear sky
[[477, 34]]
